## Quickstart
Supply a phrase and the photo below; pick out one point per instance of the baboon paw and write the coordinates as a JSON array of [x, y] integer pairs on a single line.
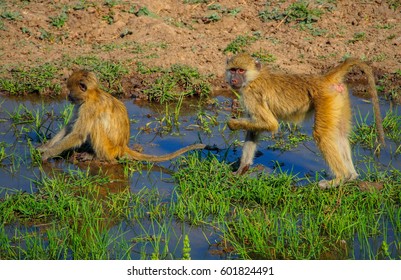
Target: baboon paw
[[241, 170], [45, 158], [41, 148], [233, 125], [353, 177], [328, 184]]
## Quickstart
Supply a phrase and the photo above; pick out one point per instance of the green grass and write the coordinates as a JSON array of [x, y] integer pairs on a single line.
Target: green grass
[[267, 217], [220, 11], [23, 80], [365, 134], [73, 222], [11, 16], [109, 18], [111, 3], [144, 11], [3, 153], [358, 36], [195, 1], [394, 4], [74, 216], [59, 20], [179, 80], [107, 71], [298, 12], [240, 43], [264, 56]]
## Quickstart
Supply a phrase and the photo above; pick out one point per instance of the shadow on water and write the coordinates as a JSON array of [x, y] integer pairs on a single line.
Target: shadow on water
[[160, 129]]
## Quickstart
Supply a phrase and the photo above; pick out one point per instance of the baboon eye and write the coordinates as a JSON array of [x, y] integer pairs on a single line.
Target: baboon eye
[[82, 86], [241, 71]]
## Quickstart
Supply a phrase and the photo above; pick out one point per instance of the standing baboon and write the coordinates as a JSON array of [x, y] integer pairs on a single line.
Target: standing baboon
[[268, 97]]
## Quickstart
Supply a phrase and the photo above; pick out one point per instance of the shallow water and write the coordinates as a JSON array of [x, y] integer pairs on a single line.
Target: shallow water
[[18, 172]]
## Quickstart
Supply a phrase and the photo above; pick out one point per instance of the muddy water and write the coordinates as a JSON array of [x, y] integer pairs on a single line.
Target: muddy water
[[17, 171]]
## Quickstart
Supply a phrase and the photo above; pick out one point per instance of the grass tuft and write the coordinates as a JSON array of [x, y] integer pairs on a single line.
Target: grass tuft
[[179, 80], [33, 80]]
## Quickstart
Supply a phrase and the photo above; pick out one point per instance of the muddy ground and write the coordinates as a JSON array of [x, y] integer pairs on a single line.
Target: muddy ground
[[198, 32]]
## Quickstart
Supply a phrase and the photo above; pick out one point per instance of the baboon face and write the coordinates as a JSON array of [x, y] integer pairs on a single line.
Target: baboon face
[[79, 83], [236, 77], [240, 70]]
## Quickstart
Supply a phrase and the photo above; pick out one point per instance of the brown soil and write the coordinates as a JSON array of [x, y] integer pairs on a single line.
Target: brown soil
[[183, 33]]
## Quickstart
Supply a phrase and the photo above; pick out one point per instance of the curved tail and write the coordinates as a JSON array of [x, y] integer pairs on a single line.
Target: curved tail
[[337, 74], [144, 157]]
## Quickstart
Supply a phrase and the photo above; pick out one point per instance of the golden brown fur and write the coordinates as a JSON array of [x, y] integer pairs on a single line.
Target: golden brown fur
[[100, 120], [268, 97]]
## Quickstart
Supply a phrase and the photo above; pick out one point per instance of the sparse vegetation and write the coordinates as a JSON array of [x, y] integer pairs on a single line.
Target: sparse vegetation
[[82, 5], [9, 15], [195, 1], [240, 43], [394, 4], [223, 10], [358, 36], [212, 17], [109, 18], [264, 56], [143, 11], [298, 12], [60, 20], [45, 35], [288, 138]]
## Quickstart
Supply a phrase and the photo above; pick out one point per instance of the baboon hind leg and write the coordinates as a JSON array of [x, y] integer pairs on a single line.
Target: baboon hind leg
[[331, 132]]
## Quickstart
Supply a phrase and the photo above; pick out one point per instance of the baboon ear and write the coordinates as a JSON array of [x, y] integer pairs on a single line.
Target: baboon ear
[[258, 65], [82, 86]]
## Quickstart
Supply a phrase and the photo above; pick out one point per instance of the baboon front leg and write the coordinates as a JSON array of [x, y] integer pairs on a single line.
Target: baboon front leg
[[248, 151], [53, 141], [260, 119], [71, 140]]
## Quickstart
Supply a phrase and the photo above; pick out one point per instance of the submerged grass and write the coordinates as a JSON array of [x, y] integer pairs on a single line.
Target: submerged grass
[[69, 219], [365, 134], [81, 215]]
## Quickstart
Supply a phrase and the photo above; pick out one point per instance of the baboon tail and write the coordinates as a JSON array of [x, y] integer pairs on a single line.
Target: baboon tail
[[153, 158], [337, 74]]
